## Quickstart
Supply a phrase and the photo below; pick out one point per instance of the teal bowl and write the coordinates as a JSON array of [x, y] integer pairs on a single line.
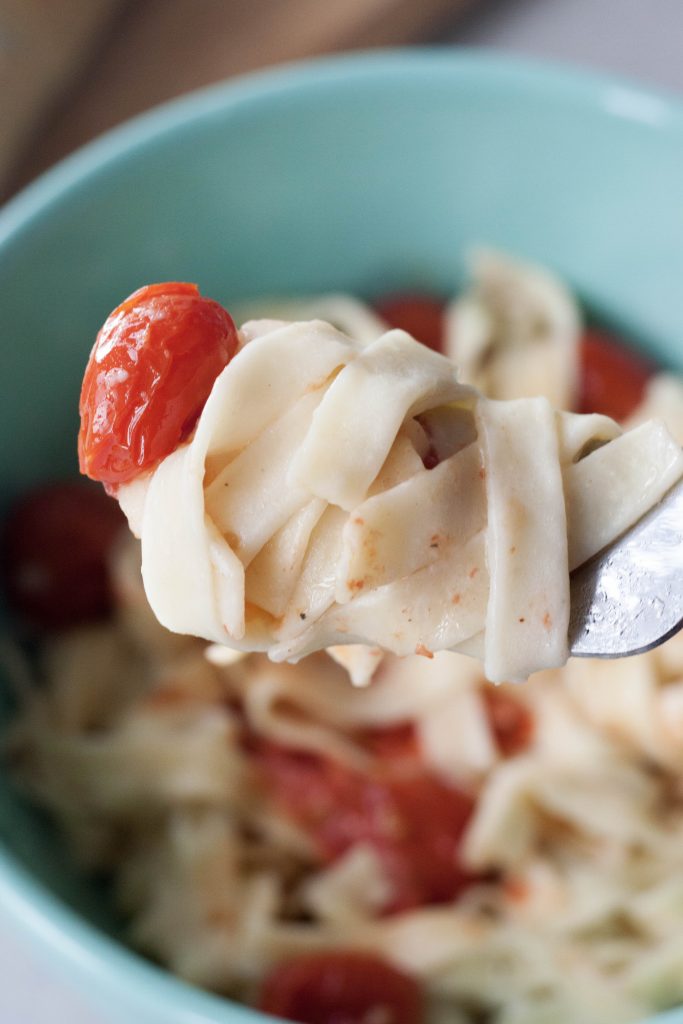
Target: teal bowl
[[360, 173]]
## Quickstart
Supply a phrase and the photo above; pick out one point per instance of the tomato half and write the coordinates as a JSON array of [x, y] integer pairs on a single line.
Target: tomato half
[[613, 377], [150, 372], [342, 988], [55, 547], [420, 315], [413, 820]]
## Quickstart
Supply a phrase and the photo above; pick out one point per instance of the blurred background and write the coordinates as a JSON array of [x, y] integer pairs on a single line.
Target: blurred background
[[70, 69]]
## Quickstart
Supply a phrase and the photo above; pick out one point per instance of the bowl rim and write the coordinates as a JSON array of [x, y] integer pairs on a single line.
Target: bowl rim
[[94, 960], [615, 95]]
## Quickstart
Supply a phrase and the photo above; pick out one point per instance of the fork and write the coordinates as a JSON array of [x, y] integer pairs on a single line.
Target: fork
[[629, 597]]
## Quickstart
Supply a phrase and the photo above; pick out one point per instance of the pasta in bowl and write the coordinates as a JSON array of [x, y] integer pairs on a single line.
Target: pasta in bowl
[[342, 492], [427, 847]]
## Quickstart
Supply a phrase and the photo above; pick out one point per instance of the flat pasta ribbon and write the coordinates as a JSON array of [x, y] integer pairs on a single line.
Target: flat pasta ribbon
[[341, 493]]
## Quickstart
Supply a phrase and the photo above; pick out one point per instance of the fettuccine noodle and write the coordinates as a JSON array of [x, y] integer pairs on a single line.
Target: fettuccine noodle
[[301, 516], [135, 742]]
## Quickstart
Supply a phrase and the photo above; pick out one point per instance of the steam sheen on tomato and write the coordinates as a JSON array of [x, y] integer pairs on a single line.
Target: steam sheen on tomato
[[55, 546], [413, 820], [613, 377], [420, 315], [341, 988], [150, 372]]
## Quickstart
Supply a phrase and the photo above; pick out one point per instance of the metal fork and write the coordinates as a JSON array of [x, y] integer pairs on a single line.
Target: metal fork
[[629, 598]]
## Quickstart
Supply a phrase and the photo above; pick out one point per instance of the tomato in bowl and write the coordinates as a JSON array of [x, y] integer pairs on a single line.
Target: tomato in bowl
[[305, 180]]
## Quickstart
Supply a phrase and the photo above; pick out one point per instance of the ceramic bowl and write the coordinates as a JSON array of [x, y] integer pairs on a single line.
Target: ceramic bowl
[[360, 173]]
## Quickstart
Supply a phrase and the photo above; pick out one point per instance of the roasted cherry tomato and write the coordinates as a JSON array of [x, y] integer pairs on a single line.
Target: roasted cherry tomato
[[150, 372], [418, 314], [414, 821], [55, 547], [511, 721], [342, 988], [613, 377]]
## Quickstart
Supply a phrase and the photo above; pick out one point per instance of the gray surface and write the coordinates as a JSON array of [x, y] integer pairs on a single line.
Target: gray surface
[[638, 38], [32, 994]]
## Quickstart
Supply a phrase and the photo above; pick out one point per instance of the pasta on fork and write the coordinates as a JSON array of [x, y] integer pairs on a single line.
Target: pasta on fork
[[332, 492]]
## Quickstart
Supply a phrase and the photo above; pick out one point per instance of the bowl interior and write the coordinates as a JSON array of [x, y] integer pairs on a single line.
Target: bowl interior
[[359, 174]]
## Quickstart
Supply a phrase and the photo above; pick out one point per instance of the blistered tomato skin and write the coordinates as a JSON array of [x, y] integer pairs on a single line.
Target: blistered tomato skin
[[342, 988], [150, 372]]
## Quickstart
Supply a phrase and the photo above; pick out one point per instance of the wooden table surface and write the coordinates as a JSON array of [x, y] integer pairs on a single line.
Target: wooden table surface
[[74, 68]]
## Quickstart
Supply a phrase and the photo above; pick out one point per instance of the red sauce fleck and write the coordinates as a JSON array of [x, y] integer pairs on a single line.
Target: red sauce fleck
[[516, 889], [430, 459], [423, 651], [511, 721]]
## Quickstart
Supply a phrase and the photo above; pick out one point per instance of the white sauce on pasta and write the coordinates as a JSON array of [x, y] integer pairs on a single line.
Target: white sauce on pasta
[[301, 515]]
